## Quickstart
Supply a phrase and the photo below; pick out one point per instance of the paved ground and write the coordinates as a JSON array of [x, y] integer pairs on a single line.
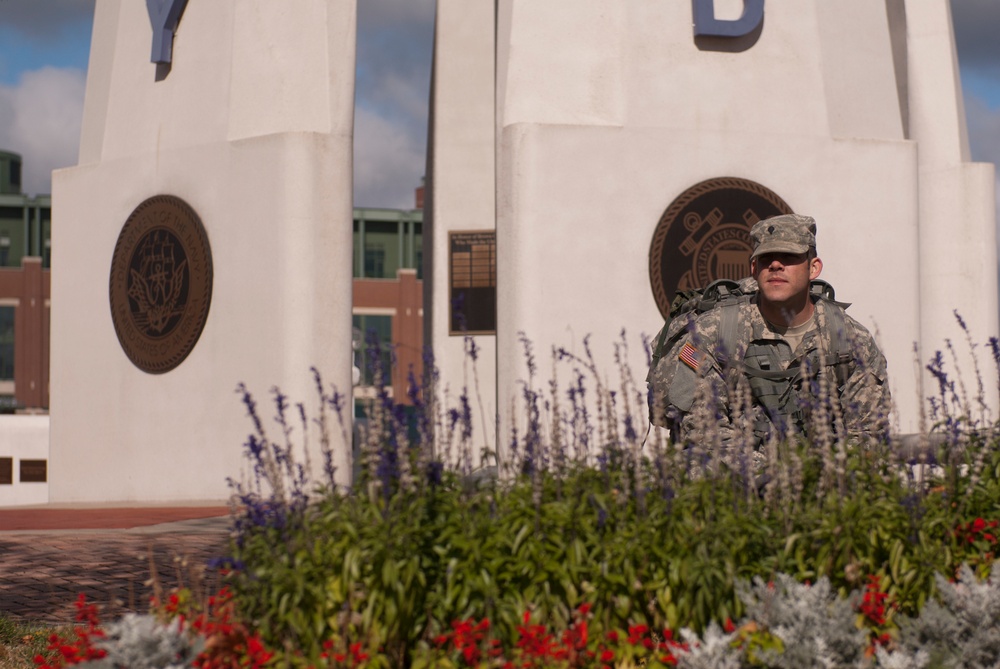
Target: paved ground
[[49, 556]]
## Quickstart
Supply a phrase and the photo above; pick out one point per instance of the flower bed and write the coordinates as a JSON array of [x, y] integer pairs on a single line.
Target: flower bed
[[590, 546]]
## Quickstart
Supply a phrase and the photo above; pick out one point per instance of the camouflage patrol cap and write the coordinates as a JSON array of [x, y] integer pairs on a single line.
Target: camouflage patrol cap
[[788, 233]]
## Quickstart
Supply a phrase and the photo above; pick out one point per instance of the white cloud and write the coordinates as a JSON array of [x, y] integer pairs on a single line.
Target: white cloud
[[393, 87], [43, 114], [388, 162]]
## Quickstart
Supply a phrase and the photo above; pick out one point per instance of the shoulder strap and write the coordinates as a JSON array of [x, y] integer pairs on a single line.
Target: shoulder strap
[[840, 357], [729, 320]]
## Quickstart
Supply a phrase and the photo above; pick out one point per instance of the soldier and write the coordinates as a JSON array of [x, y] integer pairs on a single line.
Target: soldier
[[781, 359]]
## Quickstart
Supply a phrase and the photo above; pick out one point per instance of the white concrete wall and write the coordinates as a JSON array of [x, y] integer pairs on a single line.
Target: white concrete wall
[[24, 438], [252, 127], [609, 111], [958, 257], [461, 193]]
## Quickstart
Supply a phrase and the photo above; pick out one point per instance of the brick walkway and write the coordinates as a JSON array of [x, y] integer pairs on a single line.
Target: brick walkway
[[106, 554]]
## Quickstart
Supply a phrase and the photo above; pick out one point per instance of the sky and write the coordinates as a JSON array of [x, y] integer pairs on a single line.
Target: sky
[[45, 45]]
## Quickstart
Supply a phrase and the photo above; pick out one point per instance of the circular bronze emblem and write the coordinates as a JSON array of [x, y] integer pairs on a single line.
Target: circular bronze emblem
[[704, 235], [161, 283]]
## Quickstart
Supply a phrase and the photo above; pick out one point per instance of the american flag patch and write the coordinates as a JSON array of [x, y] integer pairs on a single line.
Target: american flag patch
[[690, 356]]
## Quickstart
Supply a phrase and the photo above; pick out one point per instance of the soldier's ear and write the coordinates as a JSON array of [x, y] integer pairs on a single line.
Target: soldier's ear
[[815, 268], [753, 267]]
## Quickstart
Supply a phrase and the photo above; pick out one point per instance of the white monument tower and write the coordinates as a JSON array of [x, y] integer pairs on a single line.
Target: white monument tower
[[204, 240], [636, 142], [460, 205]]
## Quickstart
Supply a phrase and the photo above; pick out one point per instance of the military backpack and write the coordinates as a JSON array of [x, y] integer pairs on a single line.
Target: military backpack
[[772, 387]]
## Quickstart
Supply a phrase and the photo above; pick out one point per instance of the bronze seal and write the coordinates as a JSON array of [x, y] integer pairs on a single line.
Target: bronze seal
[[704, 235], [161, 283]]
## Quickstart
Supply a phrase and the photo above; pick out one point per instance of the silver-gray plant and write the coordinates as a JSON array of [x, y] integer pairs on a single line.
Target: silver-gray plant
[[712, 651], [962, 631], [816, 626], [143, 642]]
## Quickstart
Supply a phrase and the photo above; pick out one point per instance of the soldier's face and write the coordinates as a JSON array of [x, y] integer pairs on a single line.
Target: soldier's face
[[784, 277]]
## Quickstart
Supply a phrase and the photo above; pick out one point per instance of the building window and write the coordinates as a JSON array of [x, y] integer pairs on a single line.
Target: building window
[[373, 347], [374, 261], [6, 343], [382, 247], [12, 246], [383, 243], [15, 174]]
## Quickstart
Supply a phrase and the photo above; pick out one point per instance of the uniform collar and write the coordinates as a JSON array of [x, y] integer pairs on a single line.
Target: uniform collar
[[758, 326]]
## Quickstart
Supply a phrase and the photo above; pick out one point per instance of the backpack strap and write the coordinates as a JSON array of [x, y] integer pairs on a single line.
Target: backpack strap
[[840, 358], [729, 330]]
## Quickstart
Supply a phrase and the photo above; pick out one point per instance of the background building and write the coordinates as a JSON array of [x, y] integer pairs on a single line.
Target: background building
[[388, 297], [25, 257]]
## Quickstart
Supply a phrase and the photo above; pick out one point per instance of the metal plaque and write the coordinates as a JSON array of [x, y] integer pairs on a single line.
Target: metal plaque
[[34, 471], [472, 287], [161, 283], [6, 471], [704, 235]]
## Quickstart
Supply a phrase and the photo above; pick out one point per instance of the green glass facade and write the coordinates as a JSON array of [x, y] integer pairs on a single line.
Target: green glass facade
[[386, 240], [25, 222]]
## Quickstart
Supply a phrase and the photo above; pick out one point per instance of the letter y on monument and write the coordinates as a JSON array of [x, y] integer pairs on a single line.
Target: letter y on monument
[[164, 15], [706, 25]]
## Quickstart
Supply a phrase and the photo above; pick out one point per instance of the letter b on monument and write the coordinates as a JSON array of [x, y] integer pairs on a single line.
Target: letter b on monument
[[706, 25]]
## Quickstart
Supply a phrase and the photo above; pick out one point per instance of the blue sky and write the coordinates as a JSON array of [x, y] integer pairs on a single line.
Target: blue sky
[[21, 52], [44, 48]]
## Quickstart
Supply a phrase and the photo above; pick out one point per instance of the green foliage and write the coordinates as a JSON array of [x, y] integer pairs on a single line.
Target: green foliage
[[642, 532], [392, 573]]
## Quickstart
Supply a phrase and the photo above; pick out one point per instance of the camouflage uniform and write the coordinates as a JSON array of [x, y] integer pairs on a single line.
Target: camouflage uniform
[[715, 397], [735, 395], [862, 400]]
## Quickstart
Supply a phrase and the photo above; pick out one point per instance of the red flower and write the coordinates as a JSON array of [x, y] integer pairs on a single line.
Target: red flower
[[635, 633], [470, 654]]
